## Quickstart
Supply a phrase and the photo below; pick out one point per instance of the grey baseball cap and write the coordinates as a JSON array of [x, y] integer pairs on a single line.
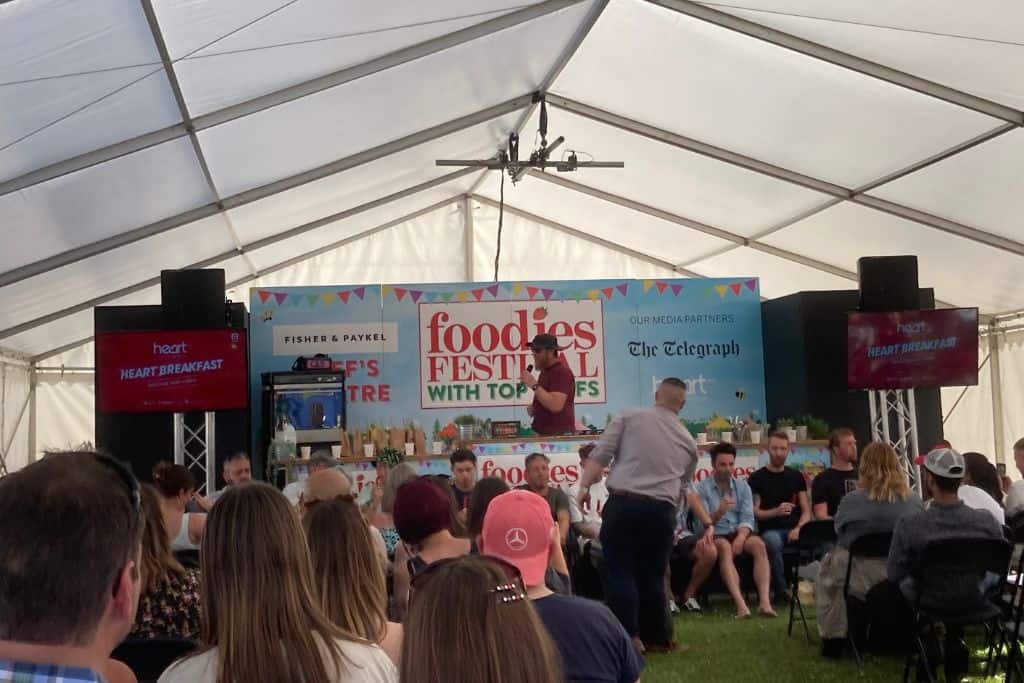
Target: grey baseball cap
[[944, 462]]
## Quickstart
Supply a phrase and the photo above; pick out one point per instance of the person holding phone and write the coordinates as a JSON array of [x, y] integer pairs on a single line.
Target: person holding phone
[[728, 507]]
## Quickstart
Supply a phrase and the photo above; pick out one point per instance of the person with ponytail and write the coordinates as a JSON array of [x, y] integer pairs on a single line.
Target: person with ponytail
[[177, 487]]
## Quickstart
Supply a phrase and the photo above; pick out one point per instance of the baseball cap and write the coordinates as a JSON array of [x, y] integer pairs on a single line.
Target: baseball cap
[[543, 341], [517, 528], [943, 462]]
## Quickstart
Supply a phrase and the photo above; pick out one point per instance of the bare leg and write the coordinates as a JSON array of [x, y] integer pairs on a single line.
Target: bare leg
[[755, 547], [730, 577], [704, 559]]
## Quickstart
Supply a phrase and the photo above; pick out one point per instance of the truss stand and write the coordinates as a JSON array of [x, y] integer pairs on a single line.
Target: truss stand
[[894, 421], [194, 447]]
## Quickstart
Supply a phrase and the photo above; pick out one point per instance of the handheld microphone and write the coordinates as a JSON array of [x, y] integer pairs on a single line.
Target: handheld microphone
[[529, 368]]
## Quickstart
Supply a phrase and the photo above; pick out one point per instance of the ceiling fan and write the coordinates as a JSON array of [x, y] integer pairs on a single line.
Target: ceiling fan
[[507, 160]]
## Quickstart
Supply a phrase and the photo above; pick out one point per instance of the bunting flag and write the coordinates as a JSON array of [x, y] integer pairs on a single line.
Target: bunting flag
[[548, 293], [623, 288], [493, 290], [446, 296], [592, 295], [531, 291], [721, 289], [647, 285], [264, 295], [608, 292], [359, 292], [415, 294], [751, 285], [328, 298], [399, 293], [462, 296], [661, 287], [676, 289], [736, 288], [478, 294], [343, 296], [311, 299], [385, 290], [295, 299], [280, 297], [516, 288]]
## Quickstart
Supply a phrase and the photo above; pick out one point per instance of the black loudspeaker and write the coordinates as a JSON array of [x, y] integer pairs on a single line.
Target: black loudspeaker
[[235, 315], [193, 299], [888, 283], [805, 364]]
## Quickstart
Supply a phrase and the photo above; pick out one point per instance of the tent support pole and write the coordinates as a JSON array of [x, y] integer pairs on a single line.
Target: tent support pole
[[32, 424], [470, 231], [996, 377]]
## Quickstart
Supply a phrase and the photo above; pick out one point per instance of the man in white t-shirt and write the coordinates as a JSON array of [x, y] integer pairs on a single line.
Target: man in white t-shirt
[[1015, 497], [586, 520]]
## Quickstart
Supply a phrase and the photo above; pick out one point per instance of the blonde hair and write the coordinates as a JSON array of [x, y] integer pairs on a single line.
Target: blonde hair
[[157, 562], [881, 476], [350, 576], [259, 606]]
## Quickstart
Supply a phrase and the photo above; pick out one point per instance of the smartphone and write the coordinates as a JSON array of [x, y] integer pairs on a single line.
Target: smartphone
[[1001, 469]]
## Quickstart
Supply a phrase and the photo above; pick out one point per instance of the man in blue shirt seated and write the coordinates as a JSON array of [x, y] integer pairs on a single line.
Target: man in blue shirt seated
[[729, 508], [69, 568]]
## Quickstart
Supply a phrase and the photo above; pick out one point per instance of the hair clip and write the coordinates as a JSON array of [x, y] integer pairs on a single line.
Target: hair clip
[[516, 594]]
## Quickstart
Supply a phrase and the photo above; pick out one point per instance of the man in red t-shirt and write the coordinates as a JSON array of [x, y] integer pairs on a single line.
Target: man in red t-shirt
[[554, 392]]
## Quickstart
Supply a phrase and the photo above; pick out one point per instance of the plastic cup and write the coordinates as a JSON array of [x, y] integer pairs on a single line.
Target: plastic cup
[[305, 450], [336, 452]]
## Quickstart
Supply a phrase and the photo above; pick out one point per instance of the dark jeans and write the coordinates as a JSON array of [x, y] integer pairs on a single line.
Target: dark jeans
[[636, 537]]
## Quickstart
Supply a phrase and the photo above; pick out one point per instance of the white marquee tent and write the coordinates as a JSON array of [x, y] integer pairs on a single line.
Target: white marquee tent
[[293, 142]]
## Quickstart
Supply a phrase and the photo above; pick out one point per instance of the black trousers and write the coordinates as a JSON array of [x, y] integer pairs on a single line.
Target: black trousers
[[636, 537]]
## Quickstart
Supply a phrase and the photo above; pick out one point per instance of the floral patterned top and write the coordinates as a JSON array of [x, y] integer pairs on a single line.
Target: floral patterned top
[[391, 539], [170, 611]]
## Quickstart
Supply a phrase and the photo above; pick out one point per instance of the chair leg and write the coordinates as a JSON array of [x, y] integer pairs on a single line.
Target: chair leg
[[796, 598], [856, 652], [923, 659]]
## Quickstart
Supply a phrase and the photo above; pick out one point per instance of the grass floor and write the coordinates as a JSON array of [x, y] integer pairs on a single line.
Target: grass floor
[[757, 649]]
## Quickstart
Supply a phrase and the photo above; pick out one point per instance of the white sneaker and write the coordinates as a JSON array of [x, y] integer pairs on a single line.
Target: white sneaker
[[692, 605], [673, 607]]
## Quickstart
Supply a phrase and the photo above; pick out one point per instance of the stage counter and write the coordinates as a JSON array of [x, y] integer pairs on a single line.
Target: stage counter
[[505, 458]]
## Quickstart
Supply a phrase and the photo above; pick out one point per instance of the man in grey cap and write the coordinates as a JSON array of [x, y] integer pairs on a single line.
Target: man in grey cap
[[554, 391], [947, 517]]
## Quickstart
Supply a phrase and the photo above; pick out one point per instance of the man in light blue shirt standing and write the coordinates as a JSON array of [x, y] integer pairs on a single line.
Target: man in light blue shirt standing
[[729, 506]]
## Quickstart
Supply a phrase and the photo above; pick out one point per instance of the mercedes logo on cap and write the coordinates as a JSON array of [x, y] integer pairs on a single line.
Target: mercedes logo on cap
[[516, 539]]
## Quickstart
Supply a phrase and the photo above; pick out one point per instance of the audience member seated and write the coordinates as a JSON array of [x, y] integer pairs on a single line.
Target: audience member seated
[[1015, 498], [422, 513], [729, 506], [840, 478], [381, 518], [699, 551], [169, 600], [260, 615], [538, 480], [236, 470], [353, 590], [470, 622], [946, 518], [586, 521], [593, 644], [322, 486], [781, 506], [463, 462], [177, 487], [69, 578], [486, 490], [881, 499], [320, 460], [980, 488], [458, 520]]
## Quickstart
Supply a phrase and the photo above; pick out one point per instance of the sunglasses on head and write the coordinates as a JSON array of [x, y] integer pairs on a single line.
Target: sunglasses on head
[[511, 591], [124, 475]]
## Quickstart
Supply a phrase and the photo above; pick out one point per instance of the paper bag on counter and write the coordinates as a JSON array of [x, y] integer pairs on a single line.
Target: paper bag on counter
[[397, 438], [420, 439]]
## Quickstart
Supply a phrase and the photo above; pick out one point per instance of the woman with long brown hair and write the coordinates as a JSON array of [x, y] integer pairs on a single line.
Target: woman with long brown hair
[[470, 621], [169, 598], [261, 618], [352, 587], [177, 487], [882, 497]]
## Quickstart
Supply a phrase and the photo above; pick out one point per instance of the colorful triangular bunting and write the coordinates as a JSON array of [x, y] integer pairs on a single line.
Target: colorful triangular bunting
[[736, 287], [676, 289], [647, 285], [592, 295], [516, 288], [328, 298], [280, 297], [623, 288], [721, 289], [462, 296], [751, 285], [478, 294], [311, 299], [415, 294], [359, 291], [661, 287], [531, 291], [264, 295], [399, 293], [446, 296], [385, 290], [547, 293], [608, 292], [493, 290], [343, 296]]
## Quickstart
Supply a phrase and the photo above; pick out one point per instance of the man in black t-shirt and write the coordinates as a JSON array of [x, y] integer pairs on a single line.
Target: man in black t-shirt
[[463, 463], [538, 480], [830, 486], [781, 505]]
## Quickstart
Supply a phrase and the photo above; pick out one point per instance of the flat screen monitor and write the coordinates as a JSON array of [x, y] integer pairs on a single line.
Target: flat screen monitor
[[907, 349], [171, 371], [308, 409]]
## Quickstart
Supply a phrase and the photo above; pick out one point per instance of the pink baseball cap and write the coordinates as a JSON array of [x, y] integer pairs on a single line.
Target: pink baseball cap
[[517, 528]]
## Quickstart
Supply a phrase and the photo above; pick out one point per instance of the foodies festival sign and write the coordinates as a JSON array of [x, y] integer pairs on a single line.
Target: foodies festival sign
[[431, 353]]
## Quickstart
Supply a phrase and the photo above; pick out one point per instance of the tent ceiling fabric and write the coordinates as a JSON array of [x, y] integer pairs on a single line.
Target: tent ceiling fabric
[[746, 153]]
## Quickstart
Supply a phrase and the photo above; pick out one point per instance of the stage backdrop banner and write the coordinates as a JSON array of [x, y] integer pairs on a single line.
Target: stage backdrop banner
[[431, 353]]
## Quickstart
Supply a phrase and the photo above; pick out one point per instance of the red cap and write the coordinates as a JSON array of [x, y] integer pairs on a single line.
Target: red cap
[[517, 528]]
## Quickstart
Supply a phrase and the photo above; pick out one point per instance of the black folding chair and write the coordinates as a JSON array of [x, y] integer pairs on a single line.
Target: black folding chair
[[813, 536], [1009, 632], [864, 547], [963, 563], [150, 657]]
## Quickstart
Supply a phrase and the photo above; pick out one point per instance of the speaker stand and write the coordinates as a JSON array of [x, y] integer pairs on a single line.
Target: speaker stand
[[894, 421], [196, 449]]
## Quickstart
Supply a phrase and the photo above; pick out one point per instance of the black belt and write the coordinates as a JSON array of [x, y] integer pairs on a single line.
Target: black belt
[[634, 496]]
